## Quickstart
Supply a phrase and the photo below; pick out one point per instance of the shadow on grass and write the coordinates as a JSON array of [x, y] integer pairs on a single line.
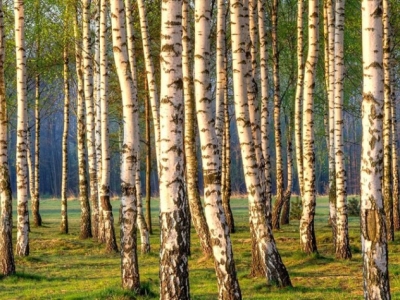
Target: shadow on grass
[[22, 276]]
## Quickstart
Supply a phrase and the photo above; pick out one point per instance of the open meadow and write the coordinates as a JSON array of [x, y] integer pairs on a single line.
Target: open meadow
[[65, 267]]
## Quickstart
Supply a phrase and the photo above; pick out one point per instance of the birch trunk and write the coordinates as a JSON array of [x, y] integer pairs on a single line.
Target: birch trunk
[[331, 114], [387, 124], [342, 238], [196, 207], [148, 160], [395, 165], [129, 263], [298, 108], [260, 212], [7, 263], [21, 161], [174, 273], [85, 224], [261, 7], [228, 286], [97, 104], [277, 120], [308, 242], [64, 177], [141, 223], [90, 117], [151, 78], [373, 230], [285, 217]]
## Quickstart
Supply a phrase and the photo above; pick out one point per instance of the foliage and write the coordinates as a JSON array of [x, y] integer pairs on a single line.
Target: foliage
[[296, 209], [353, 207]]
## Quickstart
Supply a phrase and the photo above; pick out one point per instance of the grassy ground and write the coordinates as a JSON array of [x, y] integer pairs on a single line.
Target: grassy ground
[[64, 267]]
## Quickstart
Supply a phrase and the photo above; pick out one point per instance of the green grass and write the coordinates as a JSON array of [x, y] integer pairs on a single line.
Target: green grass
[[65, 267]]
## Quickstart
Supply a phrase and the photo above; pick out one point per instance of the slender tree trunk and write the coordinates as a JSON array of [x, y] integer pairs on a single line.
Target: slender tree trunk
[[373, 230], [395, 165], [285, 217], [129, 263], [342, 238], [298, 108], [21, 162], [174, 273], [148, 160], [330, 72], [195, 205], [151, 78], [85, 224], [228, 286], [308, 242], [7, 263], [64, 179], [97, 112], [260, 211], [277, 120], [387, 124], [90, 117], [141, 225], [261, 6]]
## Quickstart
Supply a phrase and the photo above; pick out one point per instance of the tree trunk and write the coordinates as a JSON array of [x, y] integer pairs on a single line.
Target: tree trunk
[[141, 225], [387, 124], [21, 161], [264, 98], [222, 114], [195, 205], [260, 211], [174, 273], [373, 230], [64, 179], [277, 120], [129, 263], [395, 165], [7, 263], [308, 242], [298, 108], [285, 217], [148, 160], [330, 72], [342, 238], [85, 224], [90, 117]]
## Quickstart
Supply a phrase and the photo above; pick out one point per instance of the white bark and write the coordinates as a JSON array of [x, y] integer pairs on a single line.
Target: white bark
[[307, 233], [21, 162], [174, 276], [373, 231], [342, 237], [129, 264]]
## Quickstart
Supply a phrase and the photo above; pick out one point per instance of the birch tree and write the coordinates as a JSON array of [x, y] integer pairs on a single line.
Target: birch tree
[[90, 117], [141, 224], [342, 238], [193, 194], [174, 274], [298, 108], [260, 212], [21, 162], [129, 263], [64, 180], [373, 229], [7, 263], [308, 242], [85, 224], [387, 124]]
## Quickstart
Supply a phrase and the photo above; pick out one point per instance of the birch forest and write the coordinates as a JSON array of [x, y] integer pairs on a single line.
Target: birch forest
[[204, 149]]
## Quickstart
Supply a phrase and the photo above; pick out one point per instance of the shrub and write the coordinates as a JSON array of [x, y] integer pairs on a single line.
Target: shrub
[[353, 207], [296, 209]]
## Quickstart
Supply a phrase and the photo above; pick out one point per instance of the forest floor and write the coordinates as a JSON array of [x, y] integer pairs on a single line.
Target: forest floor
[[65, 267]]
